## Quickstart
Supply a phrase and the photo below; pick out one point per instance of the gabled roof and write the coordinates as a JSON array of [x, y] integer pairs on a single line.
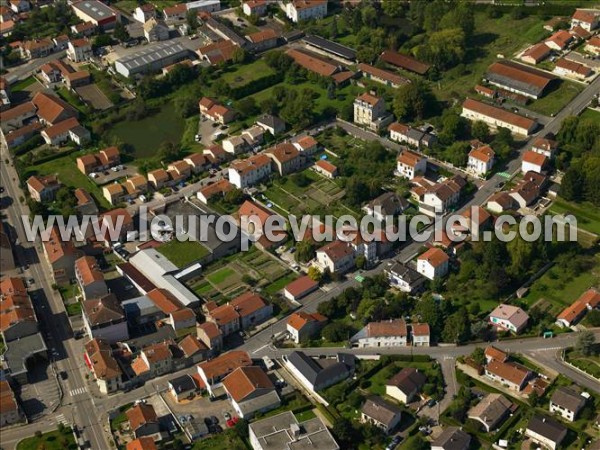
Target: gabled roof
[[568, 399], [190, 345], [485, 153], [368, 98], [314, 372], [312, 63], [548, 428], [381, 411], [513, 314], [494, 353], [383, 74], [453, 438], [263, 35], [336, 250], [301, 285], [435, 257], [164, 300], [387, 328], [405, 62], [105, 309], [283, 152], [407, 380], [409, 158], [88, 269], [50, 107], [511, 372], [141, 414], [105, 366], [243, 382], [299, 320], [491, 409], [326, 166], [498, 113], [420, 329], [225, 364], [142, 443]]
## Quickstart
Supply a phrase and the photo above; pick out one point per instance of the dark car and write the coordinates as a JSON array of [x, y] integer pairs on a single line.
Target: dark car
[[63, 375], [214, 420]]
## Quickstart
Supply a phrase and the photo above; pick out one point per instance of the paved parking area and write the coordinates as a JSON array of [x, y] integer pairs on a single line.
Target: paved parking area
[[593, 63], [94, 96], [104, 178], [200, 407], [42, 393]]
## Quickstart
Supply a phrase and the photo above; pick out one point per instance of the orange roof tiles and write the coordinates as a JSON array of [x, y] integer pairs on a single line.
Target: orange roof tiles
[[190, 345], [244, 381], [225, 364], [88, 270], [312, 63], [383, 74], [141, 414], [387, 328], [498, 113], [164, 300], [405, 62], [496, 354], [368, 98], [301, 285], [142, 443], [50, 107], [508, 371], [420, 329], [409, 158], [485, 153], [435, 257], [532, 157], [326, 166]]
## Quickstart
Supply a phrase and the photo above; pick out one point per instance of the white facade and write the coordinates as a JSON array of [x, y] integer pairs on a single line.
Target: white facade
[[421, 340], [409, 171], [80, 52], [478, 166], [382, 341], [243, 179], [431, 271], [562, 412], [494, 122], [298, 10], [115, 332]]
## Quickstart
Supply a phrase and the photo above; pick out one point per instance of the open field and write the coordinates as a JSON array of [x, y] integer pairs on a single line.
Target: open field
[[66, 170], [224, 441], [492, 37], [130, 5], [588, 215], [556, 100], [590, 114], [147, 135], [53, 440], [247, 73], [182, 253], [556, 289]]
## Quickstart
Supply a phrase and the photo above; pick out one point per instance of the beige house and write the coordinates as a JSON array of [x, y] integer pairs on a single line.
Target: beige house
[[285, 157], [114, 193]]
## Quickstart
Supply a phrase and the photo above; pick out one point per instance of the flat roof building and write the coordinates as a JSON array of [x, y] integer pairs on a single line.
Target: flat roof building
[[330, 48], [152, 58], [96, 12], [283, 431]]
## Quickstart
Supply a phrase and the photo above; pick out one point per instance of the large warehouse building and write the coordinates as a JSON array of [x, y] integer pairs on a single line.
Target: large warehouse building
[[518, 78], [151, 58], [96, 12]]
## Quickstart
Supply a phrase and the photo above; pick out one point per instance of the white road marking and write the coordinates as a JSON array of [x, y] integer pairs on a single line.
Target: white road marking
[[78, 391]]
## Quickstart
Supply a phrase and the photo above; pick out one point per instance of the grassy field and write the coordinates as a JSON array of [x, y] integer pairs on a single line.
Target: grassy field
[[247, 73], [21, 85], [279, 284], [589, 364], [130, 5], [73, 100], [378, 380], [69, 175], [556, 290], [590, 114], [182, 253], [53, 440], [503, 36], [147, 135], [588, 215], [556, 100]]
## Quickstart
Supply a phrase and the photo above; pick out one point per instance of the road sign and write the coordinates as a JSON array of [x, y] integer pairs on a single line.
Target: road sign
[[359, 278], [504, 175]]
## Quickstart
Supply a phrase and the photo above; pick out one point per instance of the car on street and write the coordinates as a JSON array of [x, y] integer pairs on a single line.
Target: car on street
[[63, 375]]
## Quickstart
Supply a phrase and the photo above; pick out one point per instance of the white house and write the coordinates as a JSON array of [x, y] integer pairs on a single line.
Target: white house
[[405, 385], [588, 19], [144, 12], [79, 50], [234, 144], [302, 326], [298, 10], [380, 413], [545, 146], [103, 318], [498, 117], [481, 160], [337, 256], [421, 334], [546, 432], [156, 30], [566, 403], [369, 110], [255, 7], [402, 277], [387, 333], [410, 164], [533, 162], [250, 391], [248, 172], [433, 263], [439, 198], [509, 317]]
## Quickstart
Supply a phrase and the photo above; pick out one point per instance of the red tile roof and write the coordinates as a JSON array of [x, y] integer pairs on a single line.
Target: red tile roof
[[405, 62], [244, 381], [435, 257], [498, 113], [312, 63], [301, 285]]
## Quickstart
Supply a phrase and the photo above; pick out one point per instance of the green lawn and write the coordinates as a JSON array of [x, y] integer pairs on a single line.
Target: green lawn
[[68, 174], [556, 100], [53, 440], [492, 37], [246, 73], [182, 253], [560, 289], [279, 284], [220, 275], [147, 135], [590, 114], [588, 215], [73, 100], [23, 84], [130, 5], [589, 364], [306, 415]]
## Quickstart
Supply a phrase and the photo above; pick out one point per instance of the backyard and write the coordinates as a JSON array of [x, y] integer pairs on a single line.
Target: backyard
[[557, 99], [233, 276], [183, 253], [558, 288], [247, 73], [146, 135], [587, 215], [589, 364], [228, 440], [65, 168]]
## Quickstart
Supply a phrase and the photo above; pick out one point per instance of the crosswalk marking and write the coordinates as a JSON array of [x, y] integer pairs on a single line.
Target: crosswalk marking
[[549, 348], [62, 419], [78, 391]]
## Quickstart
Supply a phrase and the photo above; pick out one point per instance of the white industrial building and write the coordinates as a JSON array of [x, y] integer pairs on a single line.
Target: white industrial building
[[152, 58]]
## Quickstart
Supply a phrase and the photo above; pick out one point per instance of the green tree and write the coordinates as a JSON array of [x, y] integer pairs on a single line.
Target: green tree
[[120, 33], [456, 327], [369, 16], [168, 152], [585, 343], [414, 101], [336, 332], [534, 399], [240, 56], [192, 20], [480, 130], [185, 106], [314, 273], [235, 197], [392, 8], [333, 28], [305, 251], [458, 153], [593, 318], [247, 107], [478, 356], [360, 262]]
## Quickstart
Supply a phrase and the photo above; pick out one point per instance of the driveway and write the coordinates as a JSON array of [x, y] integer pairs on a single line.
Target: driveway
[[127, 171], [199, 407], [94, 96]]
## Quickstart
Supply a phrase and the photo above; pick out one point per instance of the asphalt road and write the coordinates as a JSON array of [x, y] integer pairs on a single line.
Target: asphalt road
[[30, 67], [52, 316]]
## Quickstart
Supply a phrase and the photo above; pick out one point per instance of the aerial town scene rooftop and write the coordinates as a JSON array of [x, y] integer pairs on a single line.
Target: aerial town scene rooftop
[[183, 188]]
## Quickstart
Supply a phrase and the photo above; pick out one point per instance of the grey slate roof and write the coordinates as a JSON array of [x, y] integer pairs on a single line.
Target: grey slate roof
[[332, 47], [319, 374], [408, 380], [406, 273], [452, 438], [380, 410], [549, 428], [390, 203], [491, 410], [183, 383], [568, 399]]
